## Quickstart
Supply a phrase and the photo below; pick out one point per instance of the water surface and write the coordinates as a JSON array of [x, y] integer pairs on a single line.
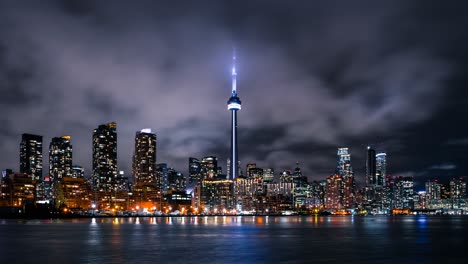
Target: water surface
[[231, 239]]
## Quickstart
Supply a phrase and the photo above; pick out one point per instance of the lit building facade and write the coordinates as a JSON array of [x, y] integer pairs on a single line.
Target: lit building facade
[[176, 180], [457, 189], [209, 167], [194, 170], [217, 196], [333, 192], [433, 190], [75, 193], [60, 158], [18, 189], [370, 167], [248, 167], [381, 168], [344, 167], [105, 157], [144, 157], [31, 156], [403, 193], [162, 182], [268, 175]]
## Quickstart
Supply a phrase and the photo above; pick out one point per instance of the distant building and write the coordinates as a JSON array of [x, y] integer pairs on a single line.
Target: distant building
[[381, 168], [349, 192], [176, 180], [370, 167], [76, 193], [144, 157], [217, 195], [248, 168], [60, 158], [31, 156], [433, 190], [268, 175], [317, 193], [333, 192], [286, 176], [209, 167], [105, 157], [162, 182], [18, 189], [344, 167], [403, 193], [457, 189], [194, 170]]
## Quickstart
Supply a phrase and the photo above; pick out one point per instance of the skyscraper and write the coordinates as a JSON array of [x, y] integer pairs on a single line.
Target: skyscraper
[[269, 175], [105, 156], [194, 170], [60, 158], [381, 168], [209, 167], [248, 168], [433, 190], [344, 167], [31, 156], [234, 105], [457, 189], [370, 167], [162, 182], [144, 157], [334, 192]]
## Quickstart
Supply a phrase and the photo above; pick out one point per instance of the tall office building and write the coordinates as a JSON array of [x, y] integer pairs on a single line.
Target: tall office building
[[268, 175], [334, 192], [31, 156], [433, 190], [176, 180], [60, 158], [248, 168], [234, 105], [194, 170], [144, 157], [162, 181], [209, 167], [344, 167], [403, 192], [381, 168], [457, 189], [370, 167], [105, 157]]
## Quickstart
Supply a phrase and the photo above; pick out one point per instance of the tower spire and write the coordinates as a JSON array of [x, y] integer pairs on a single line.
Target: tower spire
[[234, 73]]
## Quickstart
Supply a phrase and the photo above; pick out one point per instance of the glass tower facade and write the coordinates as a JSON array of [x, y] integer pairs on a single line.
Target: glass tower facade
[[144, 157], [105, 157], [31, 156], [60, 158]]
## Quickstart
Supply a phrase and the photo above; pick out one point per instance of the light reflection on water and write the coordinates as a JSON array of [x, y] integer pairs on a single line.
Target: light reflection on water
[[240, 239]]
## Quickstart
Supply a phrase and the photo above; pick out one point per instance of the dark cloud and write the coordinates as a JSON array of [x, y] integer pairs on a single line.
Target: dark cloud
[[443, 166], [312, 77]]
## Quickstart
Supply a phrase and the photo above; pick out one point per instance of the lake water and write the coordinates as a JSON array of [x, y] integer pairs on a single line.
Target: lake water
[[230, 239]]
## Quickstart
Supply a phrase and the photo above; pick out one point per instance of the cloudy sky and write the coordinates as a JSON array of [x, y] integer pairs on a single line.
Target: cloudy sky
[[312, 76]]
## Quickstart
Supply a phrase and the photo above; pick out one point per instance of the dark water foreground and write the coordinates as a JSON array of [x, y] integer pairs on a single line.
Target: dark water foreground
[[226, 239]]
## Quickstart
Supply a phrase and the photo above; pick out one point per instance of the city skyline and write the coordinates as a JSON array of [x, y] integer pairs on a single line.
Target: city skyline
[[301, 102]]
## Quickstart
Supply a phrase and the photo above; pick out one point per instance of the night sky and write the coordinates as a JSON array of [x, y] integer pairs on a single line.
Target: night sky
[[312, 77]]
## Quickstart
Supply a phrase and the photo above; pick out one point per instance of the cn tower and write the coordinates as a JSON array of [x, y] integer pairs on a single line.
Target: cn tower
[[234, 105]]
